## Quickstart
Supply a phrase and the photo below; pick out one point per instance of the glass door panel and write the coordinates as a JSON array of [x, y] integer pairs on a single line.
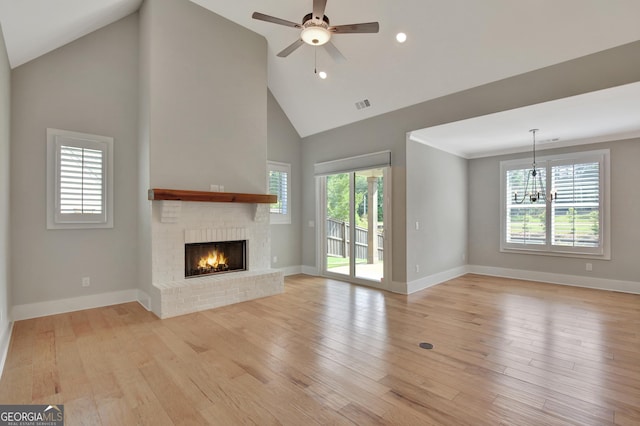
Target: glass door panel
[[354, 212], [369, 230], [337, 214]]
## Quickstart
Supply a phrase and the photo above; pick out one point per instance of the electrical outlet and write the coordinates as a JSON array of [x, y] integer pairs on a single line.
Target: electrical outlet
[[417, 225], [417, 268], [86, 281], [275, 259], [589, 267]]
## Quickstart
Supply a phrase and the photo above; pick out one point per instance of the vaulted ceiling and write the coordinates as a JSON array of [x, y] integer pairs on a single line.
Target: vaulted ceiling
[[451, 46]]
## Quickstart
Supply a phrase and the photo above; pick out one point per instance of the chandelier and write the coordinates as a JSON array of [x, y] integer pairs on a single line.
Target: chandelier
[[536, 192]]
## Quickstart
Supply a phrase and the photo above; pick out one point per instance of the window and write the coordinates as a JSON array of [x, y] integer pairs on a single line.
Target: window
[[575, 223], [79, 180], [279, 181]]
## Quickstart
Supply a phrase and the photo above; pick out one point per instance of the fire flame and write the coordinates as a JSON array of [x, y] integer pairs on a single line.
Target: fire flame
[[212, 260]]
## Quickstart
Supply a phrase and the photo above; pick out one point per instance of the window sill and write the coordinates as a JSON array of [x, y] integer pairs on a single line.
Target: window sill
[[605, 256]]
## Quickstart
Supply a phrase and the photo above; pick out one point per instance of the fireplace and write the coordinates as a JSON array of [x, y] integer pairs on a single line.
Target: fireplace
[[214, 258]]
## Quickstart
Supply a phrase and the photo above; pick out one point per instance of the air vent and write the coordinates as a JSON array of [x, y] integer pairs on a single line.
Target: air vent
[[363, 104]]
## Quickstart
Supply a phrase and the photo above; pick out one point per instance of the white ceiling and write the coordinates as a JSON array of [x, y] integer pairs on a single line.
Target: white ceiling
[[605, 115], [452, 45]]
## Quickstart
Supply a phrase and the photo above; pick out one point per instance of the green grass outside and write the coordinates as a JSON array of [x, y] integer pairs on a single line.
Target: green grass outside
[[336, 262]]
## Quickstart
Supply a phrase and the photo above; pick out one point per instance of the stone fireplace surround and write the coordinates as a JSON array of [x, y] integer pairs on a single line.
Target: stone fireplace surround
[[175, 223]]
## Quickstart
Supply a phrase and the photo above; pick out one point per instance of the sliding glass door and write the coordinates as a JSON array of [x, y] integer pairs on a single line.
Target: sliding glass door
[[352, 206]]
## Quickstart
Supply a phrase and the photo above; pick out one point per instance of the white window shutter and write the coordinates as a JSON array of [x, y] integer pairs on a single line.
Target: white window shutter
[[79, 180]]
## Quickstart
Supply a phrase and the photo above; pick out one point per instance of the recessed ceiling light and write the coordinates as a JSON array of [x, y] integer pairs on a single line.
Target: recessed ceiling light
[[401, 37], [322, 75]]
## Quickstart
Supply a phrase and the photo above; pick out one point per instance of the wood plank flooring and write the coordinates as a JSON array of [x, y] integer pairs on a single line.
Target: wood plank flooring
[[326, 352]]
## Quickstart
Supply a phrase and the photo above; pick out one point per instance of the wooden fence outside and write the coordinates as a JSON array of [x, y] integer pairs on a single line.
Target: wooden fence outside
[[338, 240]]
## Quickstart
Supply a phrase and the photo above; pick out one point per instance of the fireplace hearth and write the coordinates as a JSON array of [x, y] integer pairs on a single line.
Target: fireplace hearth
[[214, 258]]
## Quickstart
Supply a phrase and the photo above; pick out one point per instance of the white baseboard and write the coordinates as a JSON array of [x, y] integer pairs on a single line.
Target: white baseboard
[[435, 279], [291, 270], [144, 299], [563, 279], [52, 307], [5, 339], [310, 270], [547, 277]]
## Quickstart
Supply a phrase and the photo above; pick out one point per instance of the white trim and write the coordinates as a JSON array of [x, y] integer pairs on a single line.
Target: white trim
[[562, 279], [603, 252], [412, 137], [374, 160], [144, 299], [290, 270], [632, 287], [435, 279], [387, 211], [53, 307], [79, 221], [310, 270], [320, 241], [5, 340], [399, 287], [280, 218]]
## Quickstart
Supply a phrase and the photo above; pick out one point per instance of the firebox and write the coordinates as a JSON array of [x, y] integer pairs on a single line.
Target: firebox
[[214, 258]]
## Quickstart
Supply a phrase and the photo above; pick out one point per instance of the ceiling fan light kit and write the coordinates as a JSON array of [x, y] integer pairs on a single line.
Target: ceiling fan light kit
[[317, 31], [315, 35]]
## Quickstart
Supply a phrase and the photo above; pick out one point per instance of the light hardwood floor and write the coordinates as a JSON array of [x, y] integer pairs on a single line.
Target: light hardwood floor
[[326, 352]]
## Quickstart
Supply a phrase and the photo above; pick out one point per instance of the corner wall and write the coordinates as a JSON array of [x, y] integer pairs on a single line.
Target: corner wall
[[89, 85], [609, 68], [284, 146], [437, 202], [5, 115], [484, 219]]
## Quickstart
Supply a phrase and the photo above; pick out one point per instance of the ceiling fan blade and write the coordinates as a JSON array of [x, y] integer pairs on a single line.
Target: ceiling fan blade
[[367, 27], [262, 17], [318, 8], [333, 51], [289, 49]]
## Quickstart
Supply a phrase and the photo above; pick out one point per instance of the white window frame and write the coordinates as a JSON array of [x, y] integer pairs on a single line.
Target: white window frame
[[280, 218], [603, 251], [57, 138]]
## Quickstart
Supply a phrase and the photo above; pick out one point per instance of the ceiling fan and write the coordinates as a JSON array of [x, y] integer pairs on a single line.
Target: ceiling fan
[[317, 31]]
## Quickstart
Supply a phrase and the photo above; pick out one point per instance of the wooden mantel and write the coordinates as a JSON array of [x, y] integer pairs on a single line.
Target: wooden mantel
[[210, 197]]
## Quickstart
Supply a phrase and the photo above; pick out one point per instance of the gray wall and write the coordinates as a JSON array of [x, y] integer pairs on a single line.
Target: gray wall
[[5, 107], [283, 145], [437, 186], [605, 69], [202, 107], [364, 137], [207, 100], [143, 170], [484, 218], [89, 85]]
